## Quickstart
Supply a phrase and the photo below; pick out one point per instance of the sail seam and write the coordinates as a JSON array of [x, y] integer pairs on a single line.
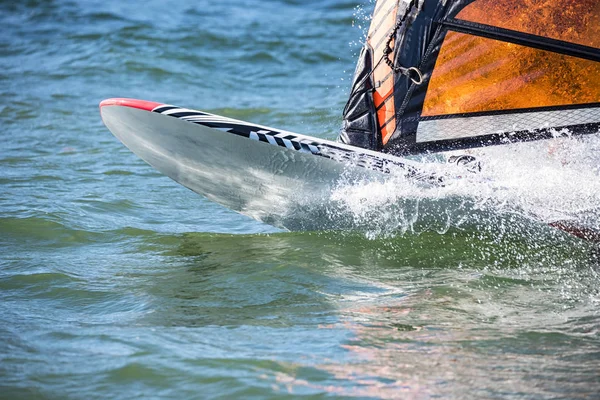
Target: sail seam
[[388, 121], [383, 38], [384, 101], [380, 82], [378, 9], [374, 32]]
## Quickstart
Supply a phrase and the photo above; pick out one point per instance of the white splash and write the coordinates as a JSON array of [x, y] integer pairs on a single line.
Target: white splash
[[544, 181]]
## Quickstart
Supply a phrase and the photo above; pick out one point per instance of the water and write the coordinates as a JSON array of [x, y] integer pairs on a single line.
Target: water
[[115, 282]]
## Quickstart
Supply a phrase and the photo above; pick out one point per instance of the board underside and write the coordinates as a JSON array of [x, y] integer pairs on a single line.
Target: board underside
[[264, 182]]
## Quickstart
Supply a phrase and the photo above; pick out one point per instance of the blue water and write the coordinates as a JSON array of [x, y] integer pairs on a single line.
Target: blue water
[[115, 282]]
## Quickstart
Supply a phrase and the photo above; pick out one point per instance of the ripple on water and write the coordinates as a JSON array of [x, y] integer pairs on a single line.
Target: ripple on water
[[108, 290], [43, 232]]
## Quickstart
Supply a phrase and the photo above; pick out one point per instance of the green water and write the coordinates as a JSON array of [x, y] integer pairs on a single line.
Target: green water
[[115, 282]]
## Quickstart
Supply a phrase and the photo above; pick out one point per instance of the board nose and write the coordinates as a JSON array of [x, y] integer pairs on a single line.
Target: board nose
[[132, 103]]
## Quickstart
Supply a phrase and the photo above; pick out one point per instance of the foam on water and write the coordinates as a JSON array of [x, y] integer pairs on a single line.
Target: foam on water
[[539, 182], [549, 179]]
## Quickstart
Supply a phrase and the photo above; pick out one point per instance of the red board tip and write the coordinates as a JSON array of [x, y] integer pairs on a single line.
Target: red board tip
[[581, 232], [133, 103]]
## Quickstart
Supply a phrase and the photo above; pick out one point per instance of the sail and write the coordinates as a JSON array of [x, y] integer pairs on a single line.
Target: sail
[[440, 74]]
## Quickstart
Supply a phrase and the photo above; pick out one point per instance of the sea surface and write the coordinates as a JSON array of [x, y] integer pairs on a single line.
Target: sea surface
[[117, 283]]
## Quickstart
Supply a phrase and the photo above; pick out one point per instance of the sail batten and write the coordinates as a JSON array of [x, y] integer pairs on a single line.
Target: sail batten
[[526, 39], [490, 69], [573, 21]]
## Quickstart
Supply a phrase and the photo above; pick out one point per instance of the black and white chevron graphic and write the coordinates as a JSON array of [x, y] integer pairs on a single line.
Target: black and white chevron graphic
[[293, 142]]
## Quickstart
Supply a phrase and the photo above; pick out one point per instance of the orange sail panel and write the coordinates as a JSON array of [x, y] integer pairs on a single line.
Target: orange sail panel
[[382, 25], [575, 21], [477, 74]]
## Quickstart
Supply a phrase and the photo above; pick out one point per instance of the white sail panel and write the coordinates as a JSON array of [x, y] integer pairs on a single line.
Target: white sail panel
[[470, 127]]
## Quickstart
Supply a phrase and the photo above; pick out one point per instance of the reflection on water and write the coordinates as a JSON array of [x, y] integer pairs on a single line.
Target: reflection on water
[[313, 313], [479, 346], [402, 316]]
